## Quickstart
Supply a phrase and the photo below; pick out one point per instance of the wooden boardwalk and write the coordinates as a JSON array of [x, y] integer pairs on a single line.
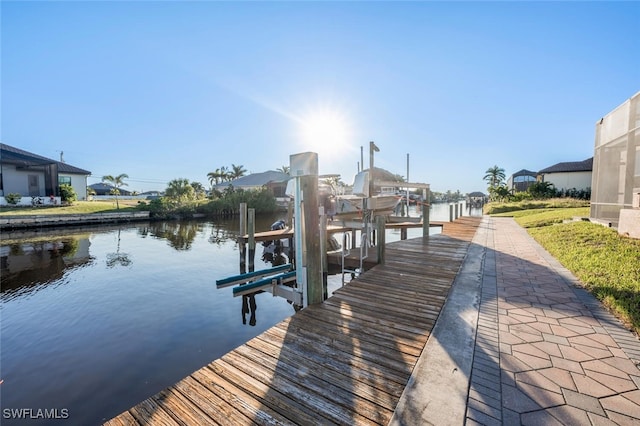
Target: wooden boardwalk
[[345, 361]]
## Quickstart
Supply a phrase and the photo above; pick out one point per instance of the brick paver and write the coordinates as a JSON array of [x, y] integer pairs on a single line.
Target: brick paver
[[546, 350]]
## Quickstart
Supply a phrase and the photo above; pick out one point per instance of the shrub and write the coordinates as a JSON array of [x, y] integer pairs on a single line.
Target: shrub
[[67, 193], [13, 198]]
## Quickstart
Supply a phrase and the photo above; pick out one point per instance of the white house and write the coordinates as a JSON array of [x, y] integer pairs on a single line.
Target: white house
[[32, 175], [569, 175]]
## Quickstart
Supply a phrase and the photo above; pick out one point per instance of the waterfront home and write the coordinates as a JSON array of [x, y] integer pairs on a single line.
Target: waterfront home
[[37, 177], [569, 175]]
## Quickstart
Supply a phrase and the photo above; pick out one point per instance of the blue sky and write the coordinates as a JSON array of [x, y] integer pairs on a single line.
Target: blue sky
[[165, 90]]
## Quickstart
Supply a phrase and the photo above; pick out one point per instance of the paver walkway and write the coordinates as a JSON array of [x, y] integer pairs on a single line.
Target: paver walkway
[[546, 352]]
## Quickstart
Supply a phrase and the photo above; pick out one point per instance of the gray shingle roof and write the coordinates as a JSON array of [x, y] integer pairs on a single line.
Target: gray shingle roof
[[570, 166], [17, 156], [255, 180], [105, 188]]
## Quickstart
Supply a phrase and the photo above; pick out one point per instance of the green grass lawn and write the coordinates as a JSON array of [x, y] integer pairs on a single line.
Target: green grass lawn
[[78, 207], [543, 217], [607, 263]]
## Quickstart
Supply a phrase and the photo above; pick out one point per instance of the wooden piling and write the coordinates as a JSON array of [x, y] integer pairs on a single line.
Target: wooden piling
[[381, 240], [309, 185], [426, 205], [251, 225], [241, 244]]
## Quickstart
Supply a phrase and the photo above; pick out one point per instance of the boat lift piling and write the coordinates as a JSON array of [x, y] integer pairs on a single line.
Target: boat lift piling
[[304, 170]]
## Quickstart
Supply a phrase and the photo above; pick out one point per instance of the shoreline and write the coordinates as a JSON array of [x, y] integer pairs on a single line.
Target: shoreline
[[12, 223]]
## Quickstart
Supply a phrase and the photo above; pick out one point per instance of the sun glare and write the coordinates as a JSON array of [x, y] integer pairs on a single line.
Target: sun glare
[[325, 131]]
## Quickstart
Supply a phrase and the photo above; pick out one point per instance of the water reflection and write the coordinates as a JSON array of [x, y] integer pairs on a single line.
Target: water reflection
[[96, 319], [26, 265], [249, 307], [179, 235], [118, 258]]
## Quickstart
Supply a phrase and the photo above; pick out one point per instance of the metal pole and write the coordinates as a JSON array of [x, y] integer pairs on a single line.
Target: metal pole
[[372, 148], [301, 275], [323, 253], [407, 185]]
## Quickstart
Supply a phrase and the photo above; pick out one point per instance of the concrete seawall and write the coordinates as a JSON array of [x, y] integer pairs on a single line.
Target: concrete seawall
[[38, 221]]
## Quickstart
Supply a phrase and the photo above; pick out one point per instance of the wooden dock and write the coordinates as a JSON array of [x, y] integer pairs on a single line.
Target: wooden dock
[[281, 234], [345, 361]]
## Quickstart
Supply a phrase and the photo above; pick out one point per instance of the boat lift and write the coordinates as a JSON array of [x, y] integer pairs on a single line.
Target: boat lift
[[273, 280], [303, 284]]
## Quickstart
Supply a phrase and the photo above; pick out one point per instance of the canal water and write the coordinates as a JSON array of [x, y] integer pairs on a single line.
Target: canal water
[[95, 320]]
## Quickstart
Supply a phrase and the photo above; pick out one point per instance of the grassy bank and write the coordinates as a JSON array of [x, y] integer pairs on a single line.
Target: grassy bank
[[78, 207], [546, 216], [552, 203], [607, 263]]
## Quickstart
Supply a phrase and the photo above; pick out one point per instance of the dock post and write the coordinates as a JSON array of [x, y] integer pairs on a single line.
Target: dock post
[[241, 244], [456, 209], [450, 212], [304, 168], [380, 227], [251, 224], [323, 253], [354, 239], [426, 205], [312, 238]]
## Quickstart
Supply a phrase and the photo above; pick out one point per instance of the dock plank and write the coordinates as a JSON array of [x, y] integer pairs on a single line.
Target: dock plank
[[345, 361]]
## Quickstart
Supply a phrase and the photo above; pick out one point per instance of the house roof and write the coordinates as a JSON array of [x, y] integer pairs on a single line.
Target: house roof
[[19, 157], [255, 180], [383, 175], [571, 166], [105, 187], [524, 172]]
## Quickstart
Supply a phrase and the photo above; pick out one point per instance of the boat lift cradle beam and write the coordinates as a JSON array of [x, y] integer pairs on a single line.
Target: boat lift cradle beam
[[274, 285], [251, 276]]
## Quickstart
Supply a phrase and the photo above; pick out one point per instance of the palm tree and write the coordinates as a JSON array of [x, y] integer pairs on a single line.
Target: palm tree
[[224, 174], [494, 175], [284, 169], [237, 171], [214, 177], [117, 182], [179, 190], [198, 188]]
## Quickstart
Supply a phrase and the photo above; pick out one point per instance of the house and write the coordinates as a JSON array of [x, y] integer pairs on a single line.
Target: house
[[476, 199], [102, 188], [615, 195], [32, 175], [274, 180], [522, 180], [569, 175]]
